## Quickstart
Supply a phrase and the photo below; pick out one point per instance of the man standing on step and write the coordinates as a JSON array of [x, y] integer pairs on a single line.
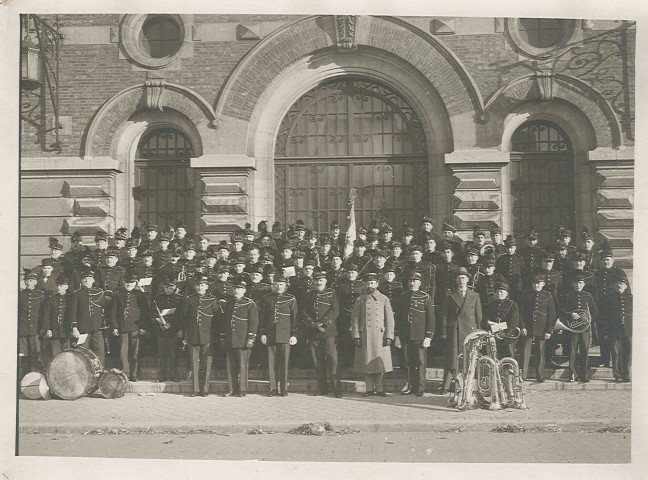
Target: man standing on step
[[372, 329], [277, 330], [414, 312], [87, 306], [618, 327], [238, 330]]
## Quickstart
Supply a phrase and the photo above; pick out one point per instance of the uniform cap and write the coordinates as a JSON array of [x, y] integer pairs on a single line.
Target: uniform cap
[[112, 252], [62, 280], [101, 235], [240, 282], [55, 244], [121, 234], [320, 274], [131, 277], [415, 248], [502, 286], [415, 276], [549, 257], [446, 226], [370, 277]]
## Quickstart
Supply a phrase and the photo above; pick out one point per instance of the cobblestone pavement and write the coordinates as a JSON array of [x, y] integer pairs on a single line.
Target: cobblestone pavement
[[569, 410], [574, 447]]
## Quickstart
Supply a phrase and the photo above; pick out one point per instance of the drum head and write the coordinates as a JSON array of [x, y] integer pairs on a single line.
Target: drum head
[[73, 374], [112, 384], [43, 388], [29, 385]]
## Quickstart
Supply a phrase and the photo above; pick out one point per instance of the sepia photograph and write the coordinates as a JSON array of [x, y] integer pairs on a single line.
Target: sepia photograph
[[320, 237]]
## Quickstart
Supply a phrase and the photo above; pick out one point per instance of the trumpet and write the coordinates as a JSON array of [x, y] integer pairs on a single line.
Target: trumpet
[[579, 325]]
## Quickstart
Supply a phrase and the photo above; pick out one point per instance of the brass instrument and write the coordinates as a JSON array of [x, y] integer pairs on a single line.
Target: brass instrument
[[487, 250], [482, 380], [579, 325], [507, 334]]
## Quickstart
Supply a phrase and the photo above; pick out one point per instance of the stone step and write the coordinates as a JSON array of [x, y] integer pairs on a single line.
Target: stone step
[[151, 373], [351, 386]]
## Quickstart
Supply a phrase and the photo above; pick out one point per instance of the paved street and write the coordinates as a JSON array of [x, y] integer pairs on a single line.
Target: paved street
[[580, 447]]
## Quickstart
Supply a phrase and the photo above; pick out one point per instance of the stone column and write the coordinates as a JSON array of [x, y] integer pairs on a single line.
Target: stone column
[[613, 181], [225, 192], [479, 197]]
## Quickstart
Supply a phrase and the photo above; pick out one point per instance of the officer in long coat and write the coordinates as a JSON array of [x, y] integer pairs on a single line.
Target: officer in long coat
[[460, 313], [198, 317], [372, 329], [277, 331], [414, 312], [238, 330]]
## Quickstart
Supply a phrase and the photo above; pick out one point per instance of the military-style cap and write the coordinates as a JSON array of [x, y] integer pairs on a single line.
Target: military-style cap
[[121, 233], [87, 255], [362, 231], [325, 239], [62, 280], [359, 243], [279, 278], [151, 227], [407, 231], [309, 263], [223, 269], [427, 219], [165, 237], [130, 243], [131, 277], [239, 260], [320, 274], [606, 251], [293, 234], [390, 267], [352, 266], [203, 279], [237, 237], [381, 253], [101, 235], [300, 228], [87, 273], [397, 243], [494, 229], [222, 245], [415, 276], [54, 244], [415, 248], [532, 234], [300, 254], [473, 251], [29, 275], [76, 237], [477, 231], [179, 224], [112, 252], [580, 256], [539, 277], [190, 246], [446, 226], [335, 224], [240, 283], [387, 228], [211, 253], [548, 257], [510, 241], [489, 262], [370, 277], [170, 281], [257, 269], [578, 276], [502, 286]]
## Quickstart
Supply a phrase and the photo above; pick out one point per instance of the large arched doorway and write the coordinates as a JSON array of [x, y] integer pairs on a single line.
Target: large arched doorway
[[345, 133], [542, 179], [164, 183]]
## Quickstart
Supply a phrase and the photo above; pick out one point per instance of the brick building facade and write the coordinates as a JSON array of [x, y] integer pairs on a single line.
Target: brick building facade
[[479, 120]]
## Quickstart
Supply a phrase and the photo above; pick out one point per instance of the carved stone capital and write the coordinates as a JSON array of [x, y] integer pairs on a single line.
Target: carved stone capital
[[345, 27], [544, 81], [155, 97]]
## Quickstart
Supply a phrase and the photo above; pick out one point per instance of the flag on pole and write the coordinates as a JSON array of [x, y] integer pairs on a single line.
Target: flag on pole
[[351, 231]]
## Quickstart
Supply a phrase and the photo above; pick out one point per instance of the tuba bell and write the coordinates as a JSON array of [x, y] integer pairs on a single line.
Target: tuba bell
[[579, 325], [487, 250]]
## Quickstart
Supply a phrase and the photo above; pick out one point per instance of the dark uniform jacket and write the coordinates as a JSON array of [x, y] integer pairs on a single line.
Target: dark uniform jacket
[[618, 315], [30, 310], [347, 293], [590, 285], [320, 307], [502, 311], [605, 281], [221, 290], [392, 290], [146, 272], [486, 288], [162, 302], [577, 301], [445, 280], [475, 272], [110, 278], [537, 313], [510, 267], [414, 316], [531, 259], [87, 309], [256, 291], [129, 311], [361, 262], [56, 315], [47, 286], [99, 256], [198, 317], [333, 277], [434, 257], [553, 282], [240, 322], [428, 274], [278, 317]]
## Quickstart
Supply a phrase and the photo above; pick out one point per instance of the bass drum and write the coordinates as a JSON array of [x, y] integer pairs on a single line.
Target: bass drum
[[29, 385], [112, 383], [74, 373]]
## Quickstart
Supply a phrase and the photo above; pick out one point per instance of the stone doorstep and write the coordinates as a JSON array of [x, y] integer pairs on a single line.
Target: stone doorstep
[[351, 386], [151, 373]]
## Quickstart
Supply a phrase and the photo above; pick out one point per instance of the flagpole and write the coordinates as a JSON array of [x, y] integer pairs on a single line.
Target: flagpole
[[351, 230]]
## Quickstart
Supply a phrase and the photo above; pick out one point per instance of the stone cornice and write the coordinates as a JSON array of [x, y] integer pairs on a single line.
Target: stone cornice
[[68, 163]]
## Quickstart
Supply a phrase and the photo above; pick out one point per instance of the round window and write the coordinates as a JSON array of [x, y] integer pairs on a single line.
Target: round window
[[541, 38], [155, 41]]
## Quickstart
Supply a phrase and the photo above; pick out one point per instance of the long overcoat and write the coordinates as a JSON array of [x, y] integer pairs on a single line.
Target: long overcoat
[[372, 321], [459, 318]]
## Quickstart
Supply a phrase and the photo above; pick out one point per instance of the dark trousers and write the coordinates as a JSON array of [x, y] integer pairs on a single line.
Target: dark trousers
[[528, 343], [324, 352], [505, 349], [95, 342], [200, 367], [416, 361], [128, 352], [621, 356], [58, 345], [278, 357], [374, 382], [237, 362], [579, 354], [29, 355], [345, 344], [167, 352]]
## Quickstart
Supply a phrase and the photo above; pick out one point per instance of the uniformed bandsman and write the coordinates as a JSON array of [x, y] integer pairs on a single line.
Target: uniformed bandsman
[[110, 276], [30, 308], [277, 330], [503, 309], [417, 265], [537, 319], [618, 327], [165, 313], [87, 308], [319, 312], [570, 305], [359, 258], [497, 240], [587, 246], [238, 332], [509, 265], [445, 278], [450, 238], [77, 250], [101, 242], [56, 317], [486, 284], [197, 322], [129, 320], [348, 289], [553, 285], [531, 257], [473, 267], [415, 324]]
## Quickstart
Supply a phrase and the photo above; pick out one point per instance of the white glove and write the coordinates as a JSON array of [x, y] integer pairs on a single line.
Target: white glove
[[547, 336], [116, 332], [524, 332], [426, 342], [75, 332], [397, 342], [264, 339], [142, 331], [575, 316], [48, 334], [292, 341]]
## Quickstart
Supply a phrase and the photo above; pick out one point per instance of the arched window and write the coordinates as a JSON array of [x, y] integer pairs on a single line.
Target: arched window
[[351, 132], [542, 179], [164, 191]]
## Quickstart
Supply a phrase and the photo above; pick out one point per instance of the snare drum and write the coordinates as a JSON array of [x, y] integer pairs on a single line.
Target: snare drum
[[29, 385], [74, 373], [112, 383]]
